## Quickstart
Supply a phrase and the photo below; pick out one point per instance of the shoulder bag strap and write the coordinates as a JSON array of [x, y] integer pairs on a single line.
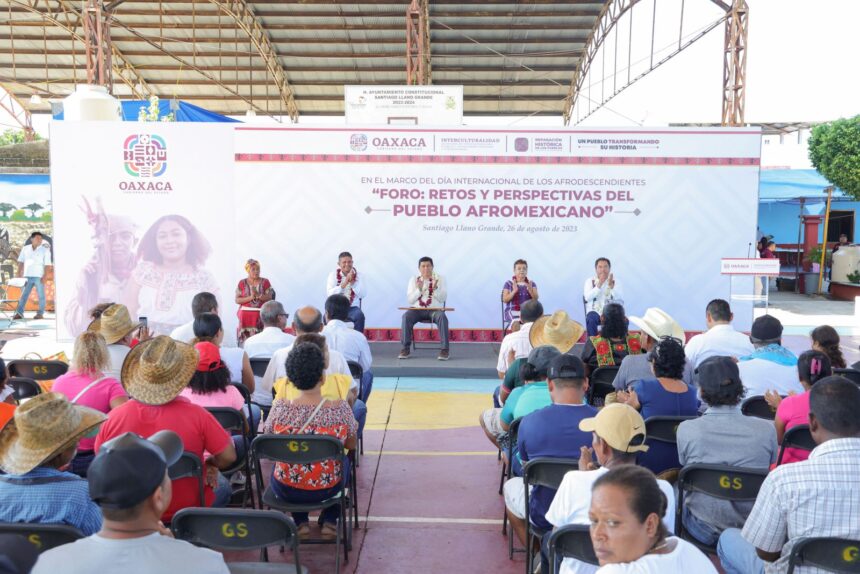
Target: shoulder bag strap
[[85, 389], [310, 418]]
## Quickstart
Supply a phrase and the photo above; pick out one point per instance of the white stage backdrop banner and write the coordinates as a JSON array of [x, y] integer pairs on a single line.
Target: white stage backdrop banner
[[664, 205]]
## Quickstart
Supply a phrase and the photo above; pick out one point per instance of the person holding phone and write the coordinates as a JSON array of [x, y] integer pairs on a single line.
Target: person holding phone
[[599, 290]]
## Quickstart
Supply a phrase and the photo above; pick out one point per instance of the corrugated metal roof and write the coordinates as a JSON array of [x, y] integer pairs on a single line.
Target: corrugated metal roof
[[515, 57]]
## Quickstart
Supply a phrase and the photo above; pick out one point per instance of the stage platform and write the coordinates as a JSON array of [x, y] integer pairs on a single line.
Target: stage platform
[[468, 361]]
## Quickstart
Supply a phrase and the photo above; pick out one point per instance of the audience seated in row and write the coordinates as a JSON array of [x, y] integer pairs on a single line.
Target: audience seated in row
[[617, 437], [264, 344], [613, 343], [347, 341], [817, 497], [812, 366], [154, 374], [720, 338], [722, 435], [129, 482], [770, 367], [311, 413], [115, 326], [655, 325], [627, 532], [663, 394], [35, 445], [335, 387], [86, 384], [553, 432], [208, 328]]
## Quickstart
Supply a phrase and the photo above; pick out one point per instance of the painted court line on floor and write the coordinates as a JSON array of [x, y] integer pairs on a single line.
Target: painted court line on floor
[[430, 520], [433, 453]]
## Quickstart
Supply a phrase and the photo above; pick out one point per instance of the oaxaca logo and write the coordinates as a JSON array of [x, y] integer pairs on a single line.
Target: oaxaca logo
[[358, 142], [145, 155]]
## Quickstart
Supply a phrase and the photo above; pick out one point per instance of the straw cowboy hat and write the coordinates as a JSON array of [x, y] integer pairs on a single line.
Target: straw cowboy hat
[[114, 324], [557, 330], [658, 324], [155, 371], [42, 428]]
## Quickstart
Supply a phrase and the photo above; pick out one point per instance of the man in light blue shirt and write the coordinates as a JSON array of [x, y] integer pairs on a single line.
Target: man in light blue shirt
[[347, 341], [41, 439]]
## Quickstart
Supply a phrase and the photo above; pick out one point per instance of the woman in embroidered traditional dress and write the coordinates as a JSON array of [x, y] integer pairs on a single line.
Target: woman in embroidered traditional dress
[[517, 290], [251, 293], [169, 273], [614, 342]]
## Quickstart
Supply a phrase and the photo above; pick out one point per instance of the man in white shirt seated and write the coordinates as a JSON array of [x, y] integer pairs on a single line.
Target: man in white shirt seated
[[272, 337], [33, 261], [349, 342], [305, 320], [129, 481], [618, 435], [518, 341], [345, 281], [203, 302], [424, 292], [720, 338], [770, 367], [597, 292]]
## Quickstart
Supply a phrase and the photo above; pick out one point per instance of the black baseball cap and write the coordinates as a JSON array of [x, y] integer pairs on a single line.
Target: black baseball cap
[[129, 468], [541, 357], [717, 375], [566, 367], [766, 328]]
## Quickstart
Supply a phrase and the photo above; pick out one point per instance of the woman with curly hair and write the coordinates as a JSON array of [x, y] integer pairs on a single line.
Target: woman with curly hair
[[826, 339], [665, 395], [311, 413]]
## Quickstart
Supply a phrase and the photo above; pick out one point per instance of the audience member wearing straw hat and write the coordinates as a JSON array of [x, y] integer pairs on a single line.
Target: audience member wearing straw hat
[[653, 326], [154, 373], [35, 445], [557, 330], [129, 481], [614, 342], [86, 384], [116, 327]]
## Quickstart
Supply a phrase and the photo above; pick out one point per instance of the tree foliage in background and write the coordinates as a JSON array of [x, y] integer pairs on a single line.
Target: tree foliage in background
[[6, 208], [834, 149], [33, 207], [10, 137]]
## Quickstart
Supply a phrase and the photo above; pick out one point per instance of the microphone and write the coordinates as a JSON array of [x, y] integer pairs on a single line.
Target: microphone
[[749, 248]]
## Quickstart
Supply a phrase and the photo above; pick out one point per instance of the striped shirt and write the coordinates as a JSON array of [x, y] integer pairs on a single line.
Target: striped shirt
[[49, 496], [816, 497]]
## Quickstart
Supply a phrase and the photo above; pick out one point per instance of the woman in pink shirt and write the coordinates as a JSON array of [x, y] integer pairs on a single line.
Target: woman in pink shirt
[[86, 384], [210, 387], [793, 410]]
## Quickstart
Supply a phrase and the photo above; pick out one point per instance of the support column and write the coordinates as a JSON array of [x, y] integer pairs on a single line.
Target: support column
[[735, 64], [810, 236], [96, 21], [417, 44]]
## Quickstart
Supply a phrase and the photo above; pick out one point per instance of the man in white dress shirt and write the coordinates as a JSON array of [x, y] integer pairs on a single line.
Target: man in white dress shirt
[[720, 338], [425, 292], [350, 343], [597, 292], [518, 341], [305, 320], [272, 338], [345, 281], [33, 261], [203, 302]]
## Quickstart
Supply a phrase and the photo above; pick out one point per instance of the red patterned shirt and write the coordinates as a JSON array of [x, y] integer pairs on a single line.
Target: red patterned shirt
[[335, 419]]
